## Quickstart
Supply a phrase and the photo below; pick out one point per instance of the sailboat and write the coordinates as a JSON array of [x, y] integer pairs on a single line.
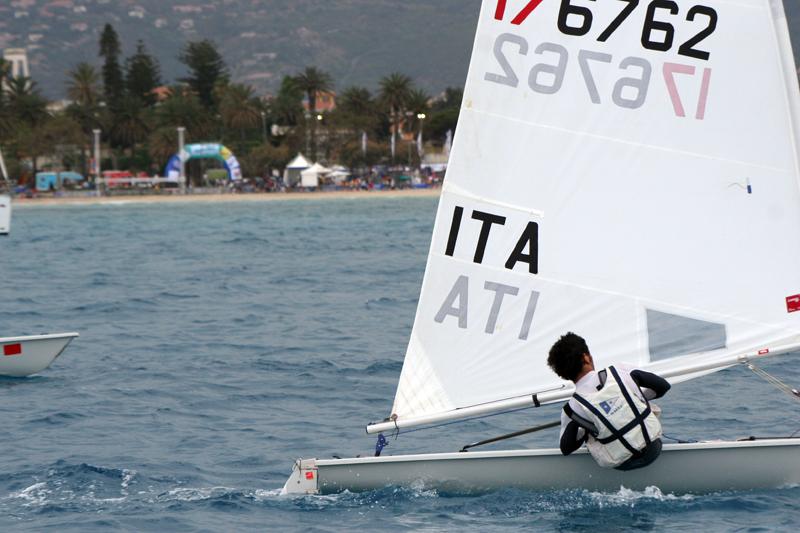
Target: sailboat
[[625, 170], [5, 214], [25, 356], [5, 200]]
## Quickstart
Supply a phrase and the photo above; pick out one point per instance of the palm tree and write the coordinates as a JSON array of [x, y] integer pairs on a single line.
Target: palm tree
[[418, 103], [6, 120], [395, 93], [162, 144], [183, 108], [25, 103], [240, 108], [313, 81], [83, 85], [356, 101], [130, 122]]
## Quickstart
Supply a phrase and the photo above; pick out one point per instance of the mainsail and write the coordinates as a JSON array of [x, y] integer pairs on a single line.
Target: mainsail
[[626, 170]]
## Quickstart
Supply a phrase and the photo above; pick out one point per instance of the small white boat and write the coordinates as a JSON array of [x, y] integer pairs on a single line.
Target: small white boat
[[5, 214], [23, 356], [686, 468]]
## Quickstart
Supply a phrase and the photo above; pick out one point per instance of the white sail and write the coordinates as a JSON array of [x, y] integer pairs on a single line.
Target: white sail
[[624, 170]]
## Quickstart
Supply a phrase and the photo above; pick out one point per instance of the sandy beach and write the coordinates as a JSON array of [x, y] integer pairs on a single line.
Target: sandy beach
[[232, 198]]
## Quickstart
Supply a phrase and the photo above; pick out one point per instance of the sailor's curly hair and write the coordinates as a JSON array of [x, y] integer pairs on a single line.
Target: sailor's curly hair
[[566, 356]]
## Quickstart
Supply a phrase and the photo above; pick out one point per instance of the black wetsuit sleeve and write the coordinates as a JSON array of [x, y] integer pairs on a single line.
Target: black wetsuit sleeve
[[657, 384], [569, 439]]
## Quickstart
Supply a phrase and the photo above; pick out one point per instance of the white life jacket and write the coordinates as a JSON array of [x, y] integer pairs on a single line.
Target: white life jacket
[[620, 426]]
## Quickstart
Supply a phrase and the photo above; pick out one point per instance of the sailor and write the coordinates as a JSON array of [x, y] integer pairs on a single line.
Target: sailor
[[610, 410]]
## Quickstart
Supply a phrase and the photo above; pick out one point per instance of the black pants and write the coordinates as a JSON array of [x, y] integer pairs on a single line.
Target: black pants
[[646, 457]]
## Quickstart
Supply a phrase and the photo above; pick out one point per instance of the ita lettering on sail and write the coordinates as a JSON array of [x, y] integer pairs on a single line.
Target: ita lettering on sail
[[525, 253]]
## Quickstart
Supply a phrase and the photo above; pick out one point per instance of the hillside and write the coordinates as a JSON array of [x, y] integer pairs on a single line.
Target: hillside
[[357, 41]]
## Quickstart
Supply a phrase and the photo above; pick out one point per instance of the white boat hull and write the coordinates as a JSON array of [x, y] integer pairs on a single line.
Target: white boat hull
[[682, 468], [5, 214], [23, 356]]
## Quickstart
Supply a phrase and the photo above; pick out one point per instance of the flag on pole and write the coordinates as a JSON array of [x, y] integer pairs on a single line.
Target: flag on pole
[[364, 143], [420, 146], [394, 144]]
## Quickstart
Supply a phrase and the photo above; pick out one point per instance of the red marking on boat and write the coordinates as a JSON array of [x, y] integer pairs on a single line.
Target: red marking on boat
[[793, 303], [10, 350], [765, 351], [309, 475]]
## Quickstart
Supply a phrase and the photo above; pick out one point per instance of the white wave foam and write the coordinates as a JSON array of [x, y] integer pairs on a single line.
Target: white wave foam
[[188, 494], [127, 477], [35, 495], [261, 494], [628, 497]]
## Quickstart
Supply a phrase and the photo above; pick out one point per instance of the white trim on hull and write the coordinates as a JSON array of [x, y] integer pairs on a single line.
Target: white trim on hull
[[683, 468], [23, 356]]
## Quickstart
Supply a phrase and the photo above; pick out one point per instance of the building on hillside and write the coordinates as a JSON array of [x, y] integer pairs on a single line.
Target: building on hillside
[[326, 102], [18, 59]]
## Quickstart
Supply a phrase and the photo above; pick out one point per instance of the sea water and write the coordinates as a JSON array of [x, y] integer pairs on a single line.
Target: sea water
[[220, 342]]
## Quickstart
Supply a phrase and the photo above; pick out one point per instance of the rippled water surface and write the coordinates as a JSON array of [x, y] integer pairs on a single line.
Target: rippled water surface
[[220, 342]]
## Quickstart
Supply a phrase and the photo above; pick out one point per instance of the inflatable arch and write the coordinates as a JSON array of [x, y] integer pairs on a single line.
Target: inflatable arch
[[204, 151]]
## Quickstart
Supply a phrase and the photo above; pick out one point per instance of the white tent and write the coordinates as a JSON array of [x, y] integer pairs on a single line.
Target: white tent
[[291, 175], [310, 177], [338, 174]]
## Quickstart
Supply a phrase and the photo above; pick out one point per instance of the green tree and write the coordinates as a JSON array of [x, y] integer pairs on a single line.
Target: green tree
[[395, 91], [83, 85], [130, 124], [265, 157], [6, 120], [83, 88], [142, 75], [286, 109], [206, 70], [313, 81], [113, 81], [356, 111], [240, 108], [182, 108], [418, 103], [351, 155], [444, 114], [25, 103], [54, 136], [162, 144]]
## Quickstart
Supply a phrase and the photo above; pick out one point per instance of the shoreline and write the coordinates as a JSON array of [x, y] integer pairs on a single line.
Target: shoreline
[[224, 198]]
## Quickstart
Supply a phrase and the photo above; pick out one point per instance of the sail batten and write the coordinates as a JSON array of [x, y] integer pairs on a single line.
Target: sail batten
[[641, 190], [638, 145]]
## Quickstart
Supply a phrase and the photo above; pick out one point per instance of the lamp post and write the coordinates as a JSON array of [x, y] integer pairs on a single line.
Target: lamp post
[[316, 137], [307, 116], [181, 132], [420, 142], [96, 169]]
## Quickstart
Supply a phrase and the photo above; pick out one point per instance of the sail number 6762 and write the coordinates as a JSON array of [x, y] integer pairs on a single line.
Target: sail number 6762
[[630, 89], [658, 31]]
